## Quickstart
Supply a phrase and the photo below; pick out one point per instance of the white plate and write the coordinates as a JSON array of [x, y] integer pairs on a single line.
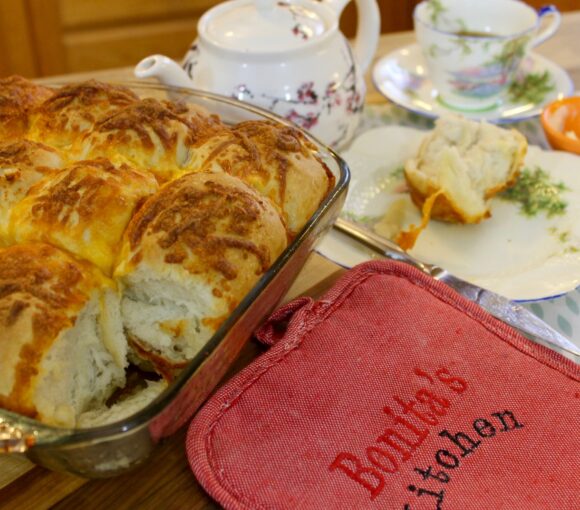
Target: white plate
[[402, 77], [523, 258]]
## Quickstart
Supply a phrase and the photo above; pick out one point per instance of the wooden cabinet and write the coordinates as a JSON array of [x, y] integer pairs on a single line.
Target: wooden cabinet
[[47, 37], [61, 36]]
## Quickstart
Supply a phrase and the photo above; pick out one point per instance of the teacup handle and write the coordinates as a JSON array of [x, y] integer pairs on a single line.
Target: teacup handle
[[549, 30]]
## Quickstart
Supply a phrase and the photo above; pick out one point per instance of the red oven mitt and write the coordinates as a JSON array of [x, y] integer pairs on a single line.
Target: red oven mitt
[[393, 392]]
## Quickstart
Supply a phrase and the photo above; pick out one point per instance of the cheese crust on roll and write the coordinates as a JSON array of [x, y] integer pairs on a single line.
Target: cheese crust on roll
[[18, 98], [62, 348], [73, 111], [156, 135], [22, 164], [190, 255], [279, 162], [83, 209]]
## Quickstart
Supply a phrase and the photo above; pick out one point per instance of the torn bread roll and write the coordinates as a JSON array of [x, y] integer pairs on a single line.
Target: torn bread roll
[[22, 164], [190, 255], [83, 209], [466, 163], [62, 348]]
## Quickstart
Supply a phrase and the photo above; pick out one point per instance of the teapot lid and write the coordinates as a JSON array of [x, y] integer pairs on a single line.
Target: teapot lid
[[265, 26]]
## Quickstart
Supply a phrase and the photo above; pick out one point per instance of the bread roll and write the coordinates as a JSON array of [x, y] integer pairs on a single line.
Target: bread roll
[[62, 349], [73, 111], [159, 136], [18, 98], [467, 163], [276, 160], [190, 255], [83, 209], [22, 164]]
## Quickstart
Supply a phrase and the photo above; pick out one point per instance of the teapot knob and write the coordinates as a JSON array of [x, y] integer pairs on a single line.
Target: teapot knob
[[265, 6]]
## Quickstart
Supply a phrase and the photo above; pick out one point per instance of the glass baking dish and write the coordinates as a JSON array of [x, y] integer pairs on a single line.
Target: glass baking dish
[[116, 448]]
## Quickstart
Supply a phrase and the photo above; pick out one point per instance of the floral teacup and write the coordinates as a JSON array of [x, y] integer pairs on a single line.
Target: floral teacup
[[473, 48]]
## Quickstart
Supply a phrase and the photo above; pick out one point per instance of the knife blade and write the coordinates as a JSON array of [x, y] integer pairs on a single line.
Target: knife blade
[[511, 313]]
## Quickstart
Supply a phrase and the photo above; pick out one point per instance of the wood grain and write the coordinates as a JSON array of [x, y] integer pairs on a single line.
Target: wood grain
[[114, 47], [12, 468], [44, 22], [92, 13]]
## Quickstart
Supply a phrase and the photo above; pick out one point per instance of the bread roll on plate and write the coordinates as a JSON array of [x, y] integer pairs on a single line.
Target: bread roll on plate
[[157, 135], [22, 164], [83, 209], [276, 160], [73, 111], [62, 348], [18, 98], [190, 255], [467, 163]]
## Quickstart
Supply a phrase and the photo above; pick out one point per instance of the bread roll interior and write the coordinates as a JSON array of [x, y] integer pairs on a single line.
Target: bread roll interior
[[190, 255], [61, 335]]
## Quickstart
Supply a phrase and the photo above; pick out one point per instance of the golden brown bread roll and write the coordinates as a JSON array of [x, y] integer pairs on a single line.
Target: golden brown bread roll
[[276, 160], [185, 255], [74, 109], [22, 164], [62, 349], [83, 209], [190, 255], [156, 135], [18, 98]]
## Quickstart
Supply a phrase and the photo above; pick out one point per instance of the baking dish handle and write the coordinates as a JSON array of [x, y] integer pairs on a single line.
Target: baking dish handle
[[14, 439]]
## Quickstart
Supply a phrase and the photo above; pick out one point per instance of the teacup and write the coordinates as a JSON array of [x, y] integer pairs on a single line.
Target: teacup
[[473, 48]]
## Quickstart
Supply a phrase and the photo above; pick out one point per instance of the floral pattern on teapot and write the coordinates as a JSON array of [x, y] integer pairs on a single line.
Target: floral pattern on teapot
[[288, 57], [310, 101]]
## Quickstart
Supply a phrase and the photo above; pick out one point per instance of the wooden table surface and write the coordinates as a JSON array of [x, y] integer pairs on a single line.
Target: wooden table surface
[[165, 480]]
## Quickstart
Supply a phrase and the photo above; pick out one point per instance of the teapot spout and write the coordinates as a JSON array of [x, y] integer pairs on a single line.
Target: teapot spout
[[167, 71]]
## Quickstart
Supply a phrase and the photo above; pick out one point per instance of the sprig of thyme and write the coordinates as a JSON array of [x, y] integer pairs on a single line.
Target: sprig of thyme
[[535, 193]]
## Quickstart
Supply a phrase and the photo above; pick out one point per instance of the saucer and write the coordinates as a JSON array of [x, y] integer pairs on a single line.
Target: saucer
[[402, 77]]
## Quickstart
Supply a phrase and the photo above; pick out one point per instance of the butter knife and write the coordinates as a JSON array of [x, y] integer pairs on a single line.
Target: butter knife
[[500, 307]]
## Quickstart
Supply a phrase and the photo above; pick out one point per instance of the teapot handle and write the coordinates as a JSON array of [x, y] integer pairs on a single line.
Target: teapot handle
[[368, 29]]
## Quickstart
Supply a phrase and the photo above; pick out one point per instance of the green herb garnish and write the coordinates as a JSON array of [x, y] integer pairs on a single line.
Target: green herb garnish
[[532, 88], [398, 172], [535, 193], [357, 218]]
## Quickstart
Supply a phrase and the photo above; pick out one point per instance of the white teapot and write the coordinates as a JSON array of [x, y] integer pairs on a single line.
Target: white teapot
[[287, 56]]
